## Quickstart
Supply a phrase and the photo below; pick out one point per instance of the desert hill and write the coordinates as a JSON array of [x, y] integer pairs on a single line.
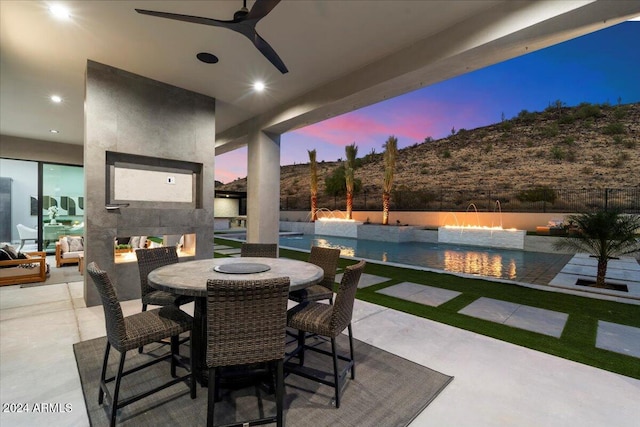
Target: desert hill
[[588, 146]]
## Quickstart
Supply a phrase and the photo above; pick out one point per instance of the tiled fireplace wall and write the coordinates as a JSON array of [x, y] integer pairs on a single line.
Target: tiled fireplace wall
[[128, 113]]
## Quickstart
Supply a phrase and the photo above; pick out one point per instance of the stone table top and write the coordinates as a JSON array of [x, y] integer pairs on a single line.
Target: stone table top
[[190, 278]]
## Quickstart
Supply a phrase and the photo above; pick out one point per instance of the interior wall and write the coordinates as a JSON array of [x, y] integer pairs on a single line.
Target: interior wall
[[13, 147], [127, 113]]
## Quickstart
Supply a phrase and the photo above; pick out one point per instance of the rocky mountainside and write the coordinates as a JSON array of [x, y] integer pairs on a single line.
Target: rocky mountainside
[[588, 146]]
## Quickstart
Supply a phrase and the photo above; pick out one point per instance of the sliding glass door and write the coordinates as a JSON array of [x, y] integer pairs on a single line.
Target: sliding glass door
[[62, 202]]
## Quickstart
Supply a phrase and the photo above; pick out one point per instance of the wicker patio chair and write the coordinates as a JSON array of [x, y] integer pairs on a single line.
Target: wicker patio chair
[[262, 250], [246, 324], [127, 333], [327, 259], [149, 260], [329, 321]]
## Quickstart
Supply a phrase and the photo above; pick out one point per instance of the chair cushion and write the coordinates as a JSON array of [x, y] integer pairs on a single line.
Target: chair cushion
[[76, 244], [64, 245], [68, 255], [153, 325], [313, 317], [165, 298], [311, 293]]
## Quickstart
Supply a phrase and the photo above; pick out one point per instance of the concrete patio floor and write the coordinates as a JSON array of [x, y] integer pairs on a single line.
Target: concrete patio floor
[[496, 383]]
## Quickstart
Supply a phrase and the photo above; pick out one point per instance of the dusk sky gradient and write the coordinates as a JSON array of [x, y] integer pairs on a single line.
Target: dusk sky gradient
[[600, 67]]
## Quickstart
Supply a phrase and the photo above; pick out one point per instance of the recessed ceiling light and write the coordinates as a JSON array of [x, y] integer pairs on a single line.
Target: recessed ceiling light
[[207, 58], [54, 131], [258, 86], [55, 98], [59, 11]]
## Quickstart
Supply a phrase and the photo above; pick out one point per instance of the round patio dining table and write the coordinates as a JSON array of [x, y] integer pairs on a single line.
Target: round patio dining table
[[190, 278]]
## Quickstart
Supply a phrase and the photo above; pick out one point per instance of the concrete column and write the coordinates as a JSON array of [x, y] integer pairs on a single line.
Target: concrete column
[[263, 187]]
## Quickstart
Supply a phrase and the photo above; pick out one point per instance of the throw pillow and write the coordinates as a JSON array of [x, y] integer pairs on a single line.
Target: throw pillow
[[11, 251], [75, 244], [64, 245], [135, 242], [143, 242], [22, 255]]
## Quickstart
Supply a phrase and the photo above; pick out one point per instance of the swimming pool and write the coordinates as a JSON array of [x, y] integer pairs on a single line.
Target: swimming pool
[[477, 261]]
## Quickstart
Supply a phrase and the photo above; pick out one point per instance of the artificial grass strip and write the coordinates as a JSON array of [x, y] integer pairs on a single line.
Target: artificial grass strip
[[577, 342]]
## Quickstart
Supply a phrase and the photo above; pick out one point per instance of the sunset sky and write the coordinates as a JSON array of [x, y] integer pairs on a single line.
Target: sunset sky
[[599, 67]]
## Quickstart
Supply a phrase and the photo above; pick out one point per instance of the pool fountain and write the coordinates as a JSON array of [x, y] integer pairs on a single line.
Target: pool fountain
[[335, 223], [477, 235]]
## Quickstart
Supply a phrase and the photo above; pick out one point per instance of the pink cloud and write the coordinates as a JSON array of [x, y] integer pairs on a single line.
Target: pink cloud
[[232, 165]]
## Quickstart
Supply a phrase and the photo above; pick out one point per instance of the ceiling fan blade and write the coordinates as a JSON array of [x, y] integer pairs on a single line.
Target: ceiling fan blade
[[261, 8], [269, 53], [189, 18]]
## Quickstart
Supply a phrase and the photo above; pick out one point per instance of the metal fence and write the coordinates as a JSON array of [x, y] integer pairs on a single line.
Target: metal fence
[[626, 200]]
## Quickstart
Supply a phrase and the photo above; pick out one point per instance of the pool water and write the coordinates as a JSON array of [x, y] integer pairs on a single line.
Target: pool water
[[489, 262]]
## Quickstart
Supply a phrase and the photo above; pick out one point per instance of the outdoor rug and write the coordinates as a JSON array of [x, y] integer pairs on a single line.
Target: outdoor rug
[[387, 391]]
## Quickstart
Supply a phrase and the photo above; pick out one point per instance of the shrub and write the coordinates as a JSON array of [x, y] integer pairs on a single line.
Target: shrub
[[567, 119], [597, 158], [587, 170], [571, 156], [526, 117], [506, 126], [550, 131], [620, 160], [487, 148], [629, 143], [446, 153], [620, 112], [569, 140], [557, 153], [614, 128], [586, 110]]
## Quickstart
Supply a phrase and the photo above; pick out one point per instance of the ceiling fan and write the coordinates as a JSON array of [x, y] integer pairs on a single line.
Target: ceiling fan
[[244, 22]]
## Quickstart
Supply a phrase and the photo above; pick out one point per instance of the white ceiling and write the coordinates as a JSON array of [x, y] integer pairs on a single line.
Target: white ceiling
[[341, 55]]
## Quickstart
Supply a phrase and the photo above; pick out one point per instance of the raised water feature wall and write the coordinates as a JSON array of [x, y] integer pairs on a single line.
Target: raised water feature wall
[[342, 228], [487, 237]]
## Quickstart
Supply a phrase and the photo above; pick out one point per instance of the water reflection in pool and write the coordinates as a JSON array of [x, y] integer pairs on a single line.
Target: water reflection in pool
[[489, 262]]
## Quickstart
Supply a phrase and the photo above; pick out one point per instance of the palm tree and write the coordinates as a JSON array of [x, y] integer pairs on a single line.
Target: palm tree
[[390, 154], [351, 152], [313, 177], [605, 235]]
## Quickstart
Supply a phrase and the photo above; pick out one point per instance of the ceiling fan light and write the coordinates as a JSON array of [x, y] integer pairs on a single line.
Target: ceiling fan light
[[56, 99], [258, 86]]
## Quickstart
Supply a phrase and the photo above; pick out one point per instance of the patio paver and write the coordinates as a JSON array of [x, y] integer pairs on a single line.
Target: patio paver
[[366, 279], [229, 251], [219, 247], [533, 319], [619, 338], [421, 294]]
